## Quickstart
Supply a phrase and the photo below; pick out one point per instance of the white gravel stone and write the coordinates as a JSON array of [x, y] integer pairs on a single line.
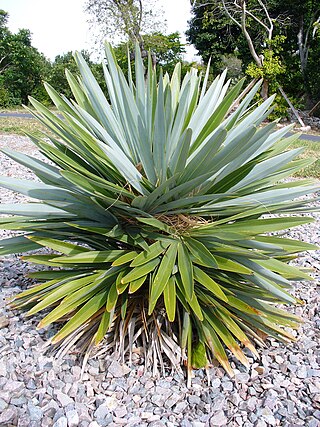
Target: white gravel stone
[[118, 370], [215, 383], [3, 368], [3, 405], [63, 398], [72, 418], [173, 399], [4, 322], [102, 412], [7, 416], [242, 378], [14, 387], [35, 413], [61, 422], [111, 403], [219, 419], [227, 386]]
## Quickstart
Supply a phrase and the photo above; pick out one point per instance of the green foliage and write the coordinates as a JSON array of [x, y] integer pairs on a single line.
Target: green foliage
[[212, 34], [124, 20], [313, 72], [167, 49], [215, 35], [233, 64], [57, 77], [154, 208], [272, 66], [22, 66], [271, 70], [5, 98]]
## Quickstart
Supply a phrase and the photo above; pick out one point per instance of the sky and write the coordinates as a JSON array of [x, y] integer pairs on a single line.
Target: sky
[[60, 26]]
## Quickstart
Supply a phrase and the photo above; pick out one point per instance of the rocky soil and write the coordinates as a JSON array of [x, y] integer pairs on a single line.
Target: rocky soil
[[282, 388], [312, 121]]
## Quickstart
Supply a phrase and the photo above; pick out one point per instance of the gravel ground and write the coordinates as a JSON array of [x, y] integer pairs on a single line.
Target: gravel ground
[[280, 389]]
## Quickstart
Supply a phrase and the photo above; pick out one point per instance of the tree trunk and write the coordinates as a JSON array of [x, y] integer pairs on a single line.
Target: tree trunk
[[302, 37], [314, 108], [303, 50], [295, 112], [265, 89]]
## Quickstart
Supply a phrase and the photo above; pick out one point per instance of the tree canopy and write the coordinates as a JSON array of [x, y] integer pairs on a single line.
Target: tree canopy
[[124, 20], [291, 55], [22, 66], [168, 50]]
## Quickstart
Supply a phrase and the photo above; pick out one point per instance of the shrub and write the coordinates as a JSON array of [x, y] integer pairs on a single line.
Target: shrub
[[4, 96], [7, 99], [155, 209], [42, 96]]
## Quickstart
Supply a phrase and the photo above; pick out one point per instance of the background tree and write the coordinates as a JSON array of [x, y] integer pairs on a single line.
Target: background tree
[[57, 77], [125, 20], [213, 36], [279, 53], [168, 50], [302, 46], [256, 27], [4, 32], [22, 66]]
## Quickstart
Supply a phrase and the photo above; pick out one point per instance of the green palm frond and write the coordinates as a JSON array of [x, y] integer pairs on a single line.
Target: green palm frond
[[154, 204]]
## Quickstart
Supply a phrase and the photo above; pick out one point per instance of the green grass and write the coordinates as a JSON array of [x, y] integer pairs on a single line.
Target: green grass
[[19, 126], [20, 109], [312, 150], [15, 125]]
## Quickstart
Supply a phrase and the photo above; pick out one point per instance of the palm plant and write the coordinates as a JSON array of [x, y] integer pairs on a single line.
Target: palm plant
[[156, 209]]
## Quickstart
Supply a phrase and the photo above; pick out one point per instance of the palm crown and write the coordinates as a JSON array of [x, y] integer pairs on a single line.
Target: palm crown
[[154, 204]]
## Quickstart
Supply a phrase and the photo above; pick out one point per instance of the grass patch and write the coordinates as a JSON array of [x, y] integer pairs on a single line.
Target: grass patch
[[21, 110], [312, 150], [19, 126], [18, 109]]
